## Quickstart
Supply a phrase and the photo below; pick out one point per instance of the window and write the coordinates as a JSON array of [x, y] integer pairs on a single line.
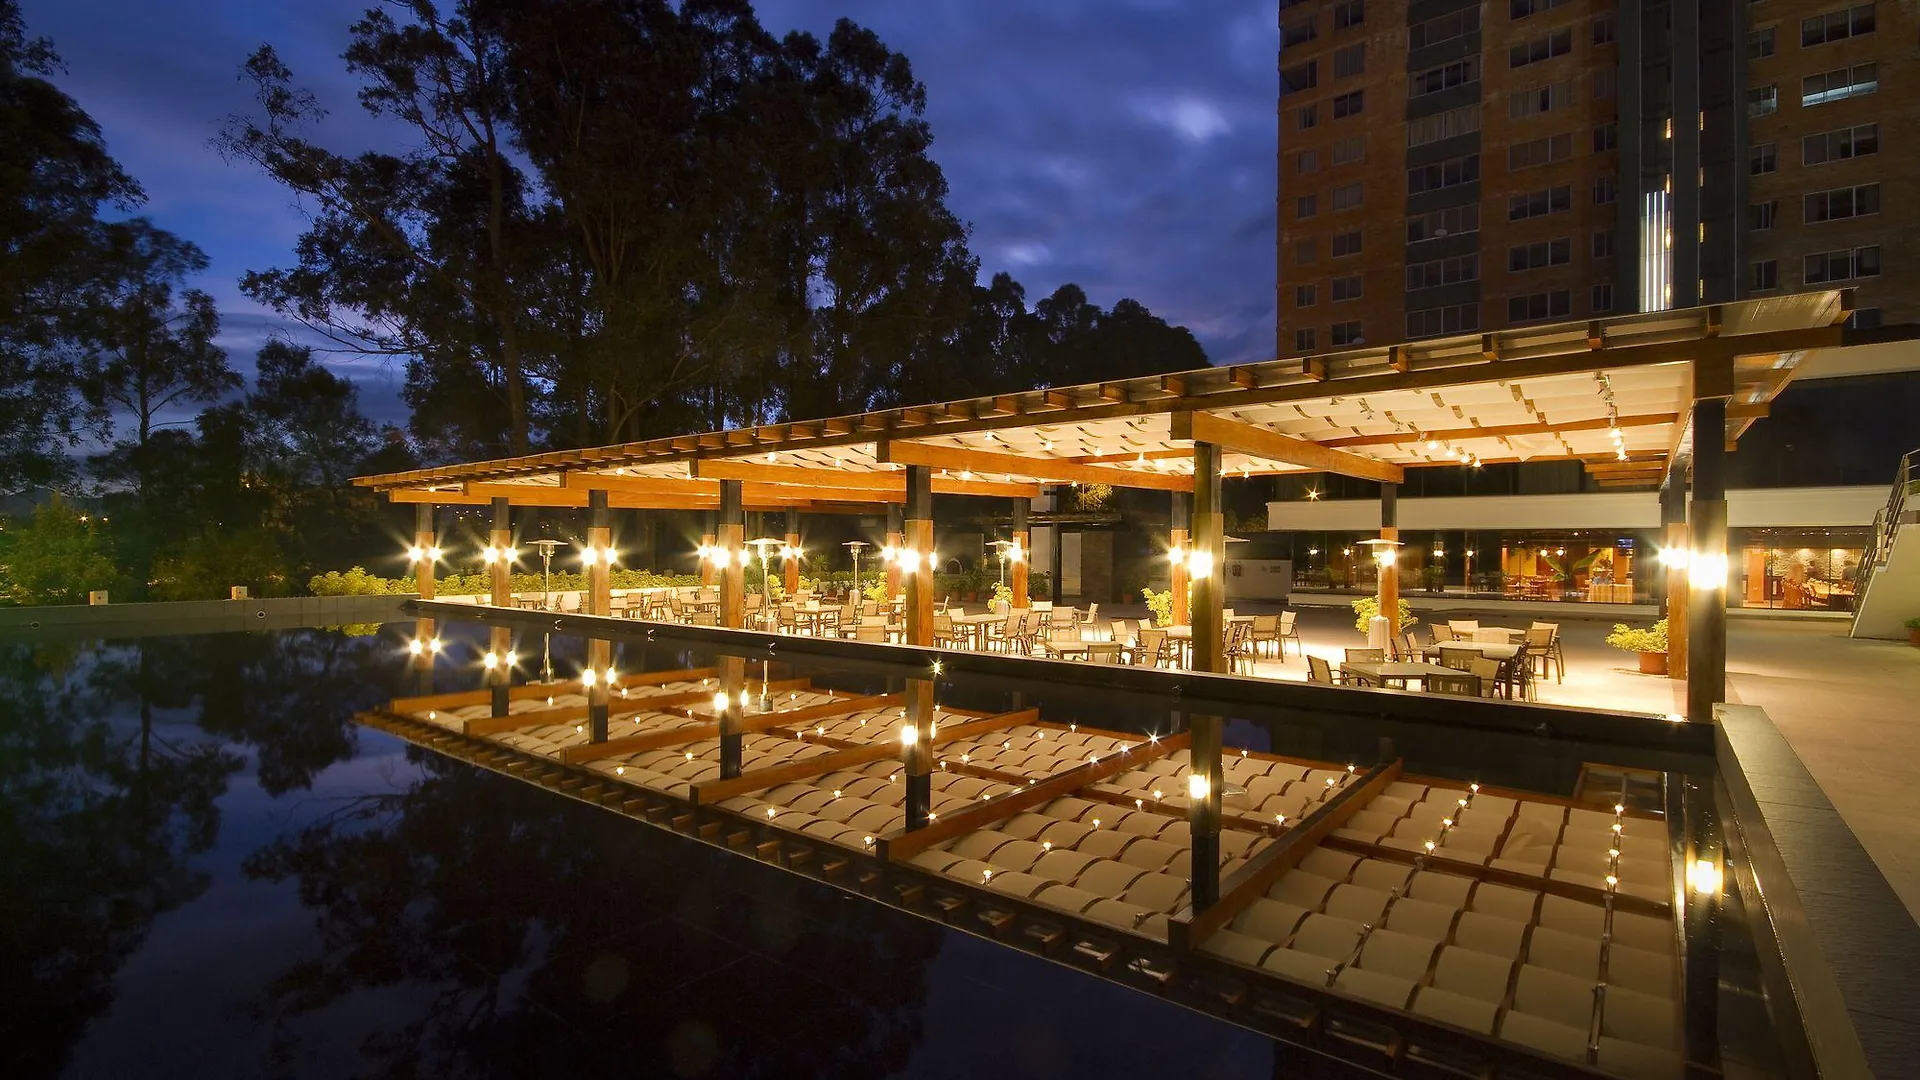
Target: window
[[1605, 29], [1535, 306], [1303, 252], [1762, 158], [1349, 150], [1760, 43], [1763, 101], [1541, 99], [1437, 272], [1843, 265], [1541, 254], [1347, 333], [1454, 24], [1600, 298], [1452, 221], [1350, 60], [1539, 203], [1839, 84], [1306, 116], [1538, 152], [1346, 288], [1306, 161], [1303, 340], [1867, 318], [1520, 9], [1836, 25], [1605, 189], [1840, 145], [1606, 83], [1760, 214], [1349, 13], [1299, 77], [1298, 34], [1841, 203], [1763, 275], [1449, 173], [1435, 79], [1348, 196], [1606, 137], [1345, 244], [1453, 319], [1545, 47], [1345, 105], [1304, 296], [1603, 243], [1305, 207], [1443, 125]]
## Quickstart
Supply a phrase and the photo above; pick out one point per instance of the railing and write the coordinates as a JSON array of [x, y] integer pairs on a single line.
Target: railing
[[1885, 522]]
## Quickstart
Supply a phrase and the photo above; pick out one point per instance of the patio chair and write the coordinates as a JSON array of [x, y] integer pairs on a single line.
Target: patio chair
[[1239, 647], [1120, 630], [1290, 631], [1550, 651], [1463, 627], [1266, 628], [870, 628], [1366, 656], [1465, 684], [1319, 671], [944, 635], [1151, 649], [570, 602], [1519, 674], [1458, 659], [1403, 646], [1442, 632], [1488, 670]]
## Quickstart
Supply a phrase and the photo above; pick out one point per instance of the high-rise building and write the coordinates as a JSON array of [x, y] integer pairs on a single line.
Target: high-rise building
[[1449, 166]]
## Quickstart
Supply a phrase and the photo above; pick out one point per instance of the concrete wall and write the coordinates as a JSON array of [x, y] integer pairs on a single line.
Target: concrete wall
[[1258, 579], [192, 616]]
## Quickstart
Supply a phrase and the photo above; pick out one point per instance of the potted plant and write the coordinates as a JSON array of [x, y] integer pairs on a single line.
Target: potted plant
[[1365, 608], [1913, 631], [1161, 604], [1650, 643], [1002, 598]]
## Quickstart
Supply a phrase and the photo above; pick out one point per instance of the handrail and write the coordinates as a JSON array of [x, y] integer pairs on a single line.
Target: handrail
[[1885, 521]]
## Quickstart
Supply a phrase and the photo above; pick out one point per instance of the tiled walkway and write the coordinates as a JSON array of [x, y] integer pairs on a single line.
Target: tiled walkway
[[1851, 709]]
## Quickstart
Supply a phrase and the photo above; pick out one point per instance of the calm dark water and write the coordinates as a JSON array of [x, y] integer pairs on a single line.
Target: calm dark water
[[208, 870]]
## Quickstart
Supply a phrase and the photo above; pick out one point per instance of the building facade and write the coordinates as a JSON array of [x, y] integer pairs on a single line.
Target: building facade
[[1449, 166]]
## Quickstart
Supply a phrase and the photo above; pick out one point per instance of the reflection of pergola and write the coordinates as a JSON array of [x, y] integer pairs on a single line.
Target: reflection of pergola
[[1633, 397]]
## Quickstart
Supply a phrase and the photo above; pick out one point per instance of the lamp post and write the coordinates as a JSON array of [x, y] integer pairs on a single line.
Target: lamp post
[[546, 571], [760, 547]]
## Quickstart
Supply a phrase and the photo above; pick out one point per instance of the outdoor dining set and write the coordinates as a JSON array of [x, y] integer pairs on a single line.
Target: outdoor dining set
[[1463, 658]]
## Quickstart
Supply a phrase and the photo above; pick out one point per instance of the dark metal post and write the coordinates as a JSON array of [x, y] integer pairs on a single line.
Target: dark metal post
[[1204, 784], [1707, 566], [1208, 561]]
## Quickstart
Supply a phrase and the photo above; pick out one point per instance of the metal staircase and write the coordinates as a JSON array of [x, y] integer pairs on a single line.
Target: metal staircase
[[1888, 591]]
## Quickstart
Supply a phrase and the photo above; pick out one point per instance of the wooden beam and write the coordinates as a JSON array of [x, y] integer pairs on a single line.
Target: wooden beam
[[1244, 376], [1266, 443], [463, 698], [769, 480], [956, 459], [714, 791], [1187, 929], [639, 485], [1397, 358], [563, 714], [903, 844], [1122, 459], [1502, 431], [710, 729]]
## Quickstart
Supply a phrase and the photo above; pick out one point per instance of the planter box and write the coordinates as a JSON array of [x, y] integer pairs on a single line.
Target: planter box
[[1653, 663]]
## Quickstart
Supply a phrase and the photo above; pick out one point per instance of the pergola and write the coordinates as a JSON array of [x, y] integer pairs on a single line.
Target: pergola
[[1639, 399]]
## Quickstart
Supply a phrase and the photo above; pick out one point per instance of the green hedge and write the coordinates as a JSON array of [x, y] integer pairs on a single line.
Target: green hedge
[[356, 581]]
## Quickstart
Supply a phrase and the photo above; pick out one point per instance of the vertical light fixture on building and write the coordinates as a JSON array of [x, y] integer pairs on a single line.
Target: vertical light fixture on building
[[1656, 252]]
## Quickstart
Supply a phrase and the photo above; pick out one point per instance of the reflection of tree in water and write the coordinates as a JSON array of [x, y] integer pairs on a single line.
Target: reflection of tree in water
[[552, 937], [102, 803]]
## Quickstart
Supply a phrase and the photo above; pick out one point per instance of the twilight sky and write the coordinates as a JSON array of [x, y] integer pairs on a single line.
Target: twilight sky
[[1126, 145]]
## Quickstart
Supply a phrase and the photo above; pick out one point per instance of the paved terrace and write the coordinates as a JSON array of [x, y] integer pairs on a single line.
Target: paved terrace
[[1851, 708]]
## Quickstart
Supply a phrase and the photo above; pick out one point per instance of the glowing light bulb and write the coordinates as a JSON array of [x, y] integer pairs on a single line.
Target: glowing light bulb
[[587, 677], [434, 554], [720, 702], [1197, 786], [909, 735], [1428, 845]]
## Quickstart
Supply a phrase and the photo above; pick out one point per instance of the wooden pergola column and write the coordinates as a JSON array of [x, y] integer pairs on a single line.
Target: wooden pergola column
[[1020, 541], [500, 540], [793, 560], [708, 567], [916, 753], [895, 541], [599, 554], [733, 683], [919, 541], [1706, 567], [1673, 519], [1179, 537], [730, 535], [1207, 588], [427, 542], [1389, 560]]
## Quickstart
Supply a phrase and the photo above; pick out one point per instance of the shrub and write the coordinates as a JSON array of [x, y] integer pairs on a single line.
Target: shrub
[[56, 559], [355, 582], [1161, 604], [1365, 608], [1632, 639]]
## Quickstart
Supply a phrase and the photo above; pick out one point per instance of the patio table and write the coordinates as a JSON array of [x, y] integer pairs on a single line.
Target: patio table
[[1381, 671]]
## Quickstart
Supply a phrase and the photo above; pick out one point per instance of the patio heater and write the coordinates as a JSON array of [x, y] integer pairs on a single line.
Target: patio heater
[[760, 547], [1384, 626], [856, 547], [546, 571], [1006, 549]]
